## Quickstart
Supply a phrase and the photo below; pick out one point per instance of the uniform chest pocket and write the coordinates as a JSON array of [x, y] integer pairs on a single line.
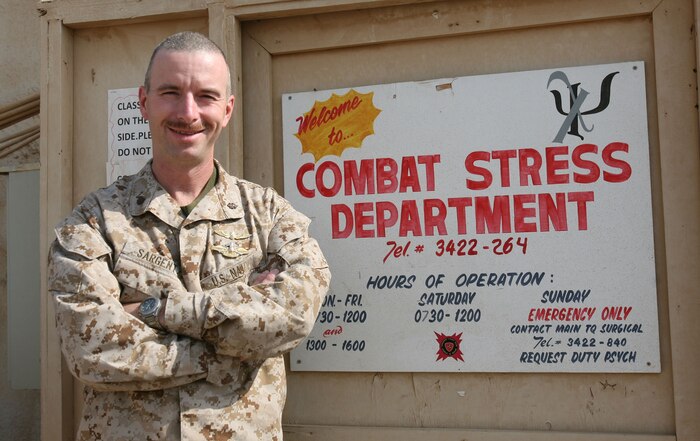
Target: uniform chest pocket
[[233, 255], [144, 272]]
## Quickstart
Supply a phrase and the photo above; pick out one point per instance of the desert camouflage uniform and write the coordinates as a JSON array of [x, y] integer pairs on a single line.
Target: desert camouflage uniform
[[217, 372]]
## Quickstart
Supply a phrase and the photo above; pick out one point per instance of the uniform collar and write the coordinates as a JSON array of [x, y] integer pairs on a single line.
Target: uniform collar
[[223, 202]]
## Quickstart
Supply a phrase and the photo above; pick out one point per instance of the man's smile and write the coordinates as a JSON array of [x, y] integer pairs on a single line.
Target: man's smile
[[185, 130]]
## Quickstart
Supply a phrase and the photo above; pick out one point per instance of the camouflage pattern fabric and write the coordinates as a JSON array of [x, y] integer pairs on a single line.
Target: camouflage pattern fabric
[[217, 371]]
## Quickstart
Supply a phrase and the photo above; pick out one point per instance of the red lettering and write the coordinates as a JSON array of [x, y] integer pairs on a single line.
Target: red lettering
[[337, 179], [434, 219], [479, 171], [551, 211], [496, 219], [314, 118], [304, 121], [305, 168], [460, 205], [504, 157], [529, 162], [335, 331], [624, 167], [361, 182], [409, 175], [554, 164], [311, 121], [387, 169], [322, 118], [363, 220], [383, 221], [429, 162], [581, 198], [578, 160], [370, 176], [338, 210], [522, 213], [557, 162], [410, 222]]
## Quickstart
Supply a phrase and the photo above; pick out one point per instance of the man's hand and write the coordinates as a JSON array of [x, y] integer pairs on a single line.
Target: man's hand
[[132, 308], [265, 277]]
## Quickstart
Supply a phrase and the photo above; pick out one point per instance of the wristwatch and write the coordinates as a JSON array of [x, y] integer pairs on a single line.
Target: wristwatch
[[148, 311]]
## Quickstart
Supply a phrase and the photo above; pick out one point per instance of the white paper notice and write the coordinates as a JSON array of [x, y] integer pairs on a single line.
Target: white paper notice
[[128, 136]]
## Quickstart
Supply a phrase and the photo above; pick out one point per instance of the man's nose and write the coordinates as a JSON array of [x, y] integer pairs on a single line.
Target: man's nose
[[188, 110]]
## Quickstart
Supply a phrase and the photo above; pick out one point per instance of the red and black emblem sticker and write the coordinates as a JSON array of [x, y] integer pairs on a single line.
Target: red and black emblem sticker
[[448, 346]]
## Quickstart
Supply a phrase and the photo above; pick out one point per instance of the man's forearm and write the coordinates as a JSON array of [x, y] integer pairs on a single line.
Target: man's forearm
[[251, 322]]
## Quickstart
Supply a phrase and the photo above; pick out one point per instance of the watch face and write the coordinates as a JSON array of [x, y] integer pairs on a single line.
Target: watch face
[[149, 306]]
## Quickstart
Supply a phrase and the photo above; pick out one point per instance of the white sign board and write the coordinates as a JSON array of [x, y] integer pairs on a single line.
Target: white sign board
[[128, 134], [496, 223]]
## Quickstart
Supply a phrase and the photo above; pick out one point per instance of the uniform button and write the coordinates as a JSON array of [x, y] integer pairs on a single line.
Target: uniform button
[[231, 205]]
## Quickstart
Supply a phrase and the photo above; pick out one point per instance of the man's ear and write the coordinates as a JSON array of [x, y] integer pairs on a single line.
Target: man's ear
[[142, 102], [229, 109]]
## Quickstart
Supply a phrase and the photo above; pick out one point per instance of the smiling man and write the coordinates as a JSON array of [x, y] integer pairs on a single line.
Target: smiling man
[[178, 290]]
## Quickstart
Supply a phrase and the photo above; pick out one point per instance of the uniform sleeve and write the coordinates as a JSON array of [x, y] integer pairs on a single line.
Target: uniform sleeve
[[265, 320], [104, 346]]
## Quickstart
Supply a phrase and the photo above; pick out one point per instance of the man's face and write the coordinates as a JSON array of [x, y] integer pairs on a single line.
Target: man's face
[[187, 106]]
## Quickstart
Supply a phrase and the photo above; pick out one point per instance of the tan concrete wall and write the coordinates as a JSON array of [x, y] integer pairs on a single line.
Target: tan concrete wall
[[19, 78]]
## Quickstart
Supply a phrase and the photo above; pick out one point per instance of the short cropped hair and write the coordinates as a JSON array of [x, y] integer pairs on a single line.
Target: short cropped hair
[[185, 42]]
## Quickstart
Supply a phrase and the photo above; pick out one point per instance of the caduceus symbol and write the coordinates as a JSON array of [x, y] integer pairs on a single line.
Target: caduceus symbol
[[577, 95]]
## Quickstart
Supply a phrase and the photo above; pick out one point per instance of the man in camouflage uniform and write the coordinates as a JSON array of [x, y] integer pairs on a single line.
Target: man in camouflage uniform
[[178, 290]]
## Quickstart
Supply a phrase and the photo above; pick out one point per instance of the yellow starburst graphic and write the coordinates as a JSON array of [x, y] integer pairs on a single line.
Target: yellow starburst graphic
[[336, 124]]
